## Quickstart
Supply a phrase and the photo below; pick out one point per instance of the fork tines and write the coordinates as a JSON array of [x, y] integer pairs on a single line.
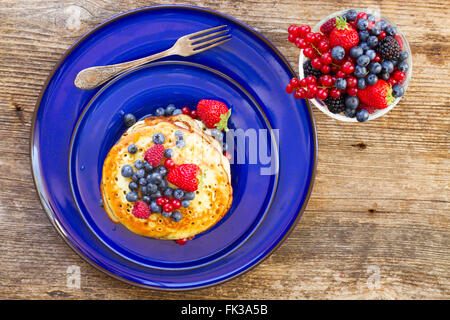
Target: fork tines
[[205, 39]]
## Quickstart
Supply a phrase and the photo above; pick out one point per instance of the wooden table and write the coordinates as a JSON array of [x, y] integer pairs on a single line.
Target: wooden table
[[377, 224]]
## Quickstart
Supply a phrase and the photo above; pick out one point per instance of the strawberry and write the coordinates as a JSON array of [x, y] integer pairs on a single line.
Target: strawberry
[[343, 35], [141, 210], [213, 113], [366, 107], [184, 176], [155, 154], [378, 96], [328, 26]]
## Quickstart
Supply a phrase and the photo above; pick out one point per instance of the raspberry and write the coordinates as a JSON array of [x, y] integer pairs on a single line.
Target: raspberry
[[389, 49], [154, 155], [335, 105], [141, 210], [328, 26]]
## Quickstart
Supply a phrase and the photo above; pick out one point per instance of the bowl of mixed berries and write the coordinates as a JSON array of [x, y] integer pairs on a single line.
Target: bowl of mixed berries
[[354, 65]]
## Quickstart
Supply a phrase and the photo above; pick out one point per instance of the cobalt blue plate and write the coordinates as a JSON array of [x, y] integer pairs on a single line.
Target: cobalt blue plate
[[249, 59], [141, 92]]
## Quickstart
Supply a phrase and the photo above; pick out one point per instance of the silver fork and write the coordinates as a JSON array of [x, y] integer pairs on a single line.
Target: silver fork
[[187, 45]]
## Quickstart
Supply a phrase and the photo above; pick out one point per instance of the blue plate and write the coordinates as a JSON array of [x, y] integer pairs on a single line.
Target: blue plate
[[141, 92], [249, 59]]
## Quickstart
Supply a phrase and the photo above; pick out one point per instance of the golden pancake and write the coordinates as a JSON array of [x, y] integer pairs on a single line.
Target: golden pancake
[[213, 196]]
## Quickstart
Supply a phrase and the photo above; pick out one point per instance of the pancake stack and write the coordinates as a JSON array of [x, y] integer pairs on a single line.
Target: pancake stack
[[213, 196]]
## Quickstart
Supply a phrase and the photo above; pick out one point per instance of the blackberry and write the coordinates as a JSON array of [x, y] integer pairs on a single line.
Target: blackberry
[[335, 105], [389, 49], [308, 70]]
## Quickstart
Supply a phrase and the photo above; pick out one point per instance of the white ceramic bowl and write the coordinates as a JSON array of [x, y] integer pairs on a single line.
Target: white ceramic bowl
[[378, 113]]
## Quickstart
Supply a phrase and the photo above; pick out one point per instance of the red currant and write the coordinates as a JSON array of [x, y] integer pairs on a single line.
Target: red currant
[[348, 67], [186, 110], [377, 58], [335, 93], [326, 80], [291, 38], [160, 201], [300, 94], [167, 207], [304, 30], [398, 75], [301, 43], [170, 164], [194, 114], [340, 74], [289, 88], [361, 15], [318, 37], [311, 80], [295, 83], [322, 93], [323, 46], [291, 27], [382, 35], [182, 242], [326, 58], [310, 37], [227, 155], [303, 82], [310, 95], [175, 204], [312, 88], [392, 81], [316, 64], [325, 69], [352, 82], [352, 91], [309, 52], [296, 31]]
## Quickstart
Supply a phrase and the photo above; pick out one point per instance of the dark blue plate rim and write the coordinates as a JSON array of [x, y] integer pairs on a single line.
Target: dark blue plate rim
[[35, 160], [196, 65]]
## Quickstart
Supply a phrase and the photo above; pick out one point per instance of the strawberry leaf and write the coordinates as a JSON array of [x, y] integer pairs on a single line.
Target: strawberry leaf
[[223, 123], [341, 23]]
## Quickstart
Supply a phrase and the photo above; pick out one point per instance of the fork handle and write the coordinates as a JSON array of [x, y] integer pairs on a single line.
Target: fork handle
[[92, 77]]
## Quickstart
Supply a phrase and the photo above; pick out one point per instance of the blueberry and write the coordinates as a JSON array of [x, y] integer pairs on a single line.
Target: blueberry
[[398, 90], [133, 186], [375, 67], [362, 24], [134, 177], [132, 149], [356, 51], [158, 138], [362, 115], [382, 24], [185, 203], [163, 185], [154, 207], [363, 35], [155, 178], [100, 203], [169, 109], [341, 83], [363, 60], [371, 18], [403, 66], [189, 195], [140, 173], [132, 196], [176, 216], [146, 199], [178, 193], [394, 62], [375, 31], [217, 134], [362, 83], [180, 144], [360, 71], [155, 195], [387, 66], [349, 112], [371, 54], [143, 181], [179, 134], [371, 79], [168, 153], [364, 46], [139, 164], [351, 102], [384, 75], [403, 55], [144, 190], [224, 147], [177, 112], [351, 14], [372, 41], [159, 112], [338, 53], [166, 214], [148, 167], [168, 192], [161, 170], [391, 31], [152, 188], [129, 119], [127, 171]]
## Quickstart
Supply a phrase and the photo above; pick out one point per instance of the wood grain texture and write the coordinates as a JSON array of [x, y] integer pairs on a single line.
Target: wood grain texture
[[380, 204]]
